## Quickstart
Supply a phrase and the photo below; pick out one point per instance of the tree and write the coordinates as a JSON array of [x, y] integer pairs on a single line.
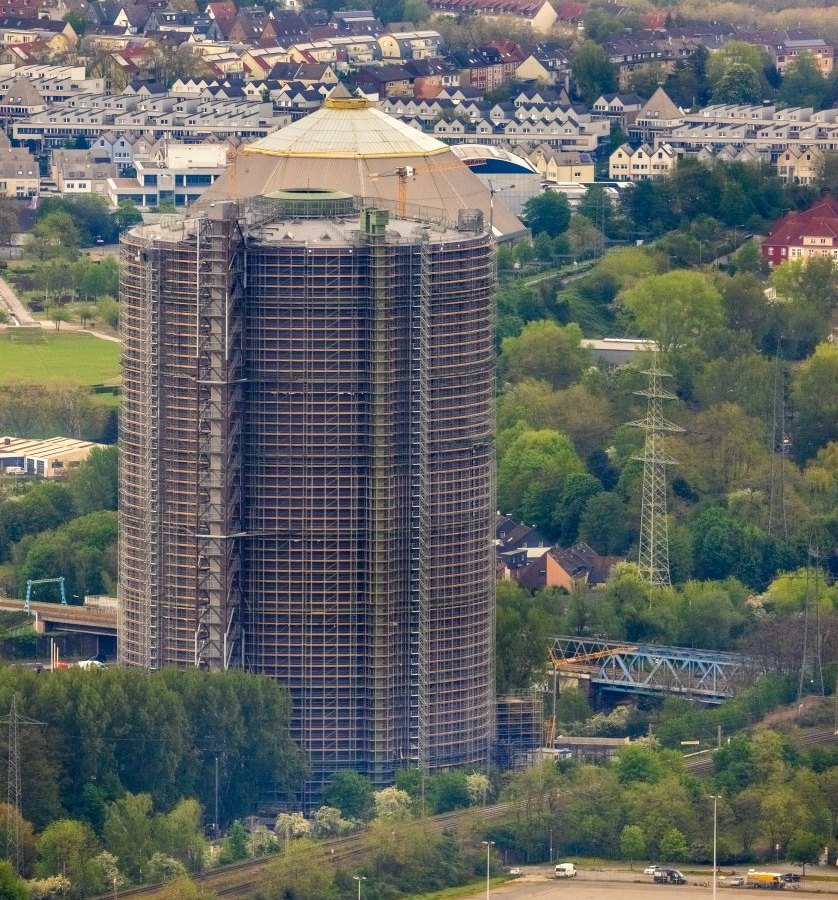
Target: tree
[[351, 793], [632, 843], [8, 220], [11, 887], [803, 84], [531, 474], [638, 763], [126, 215], [77, 21], [478, 786], [828, 173], [129, 833], [674, 308], [673, 846], [296, 825], [548, 212], [739, 84], [583, 237], [392, 804], [546, 351], [236, 845], [327, 821], [69, 847], [55, 235], [593, 72], [578, 489], [302, 872], [805, 847], [447, 791], [603, 523], [735, 53], [94, 484], [815, 393]]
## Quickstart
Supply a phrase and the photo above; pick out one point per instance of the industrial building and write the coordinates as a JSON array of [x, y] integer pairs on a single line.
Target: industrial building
[[49, 458], [307, 439]]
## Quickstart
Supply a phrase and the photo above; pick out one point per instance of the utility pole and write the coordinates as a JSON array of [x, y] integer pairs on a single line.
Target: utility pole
[[653, 556], [14, 720]]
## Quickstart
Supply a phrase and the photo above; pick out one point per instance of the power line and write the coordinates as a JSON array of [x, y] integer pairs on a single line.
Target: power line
[[14, 720]]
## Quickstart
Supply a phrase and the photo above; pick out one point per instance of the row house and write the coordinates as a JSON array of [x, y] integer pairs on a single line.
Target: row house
[[799, 235], [540, 15], [548, 63], [642, 164], [800, 165], [620, 109]]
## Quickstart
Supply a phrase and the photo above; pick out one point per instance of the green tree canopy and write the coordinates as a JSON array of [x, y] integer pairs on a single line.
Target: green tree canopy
[[815, 393], [545, 351], [351, 793], [674, 308], [803, 84], [531, 474], [547, 213], [593, 72], [632, 843]]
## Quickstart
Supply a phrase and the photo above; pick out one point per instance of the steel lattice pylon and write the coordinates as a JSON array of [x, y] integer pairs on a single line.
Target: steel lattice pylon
[[653, 556], [14, 719]]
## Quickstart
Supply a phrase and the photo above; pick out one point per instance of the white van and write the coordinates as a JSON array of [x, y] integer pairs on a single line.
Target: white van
[[565, 870]]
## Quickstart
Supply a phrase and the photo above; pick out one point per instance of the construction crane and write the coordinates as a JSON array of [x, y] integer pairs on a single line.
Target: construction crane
[[569, 665], [405, 173]]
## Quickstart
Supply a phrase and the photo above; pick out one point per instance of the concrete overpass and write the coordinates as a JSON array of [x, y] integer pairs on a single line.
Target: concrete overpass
[[55, 618]]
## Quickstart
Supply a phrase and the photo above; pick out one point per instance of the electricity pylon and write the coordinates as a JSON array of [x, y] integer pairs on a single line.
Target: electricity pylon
[[653, 556], [14, 720]]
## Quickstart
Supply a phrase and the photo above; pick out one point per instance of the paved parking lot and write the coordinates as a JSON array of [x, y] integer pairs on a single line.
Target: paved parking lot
[[536, 884]]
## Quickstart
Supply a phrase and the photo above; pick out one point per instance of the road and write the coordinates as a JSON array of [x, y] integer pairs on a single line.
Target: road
[[20, 315], [536, 884]]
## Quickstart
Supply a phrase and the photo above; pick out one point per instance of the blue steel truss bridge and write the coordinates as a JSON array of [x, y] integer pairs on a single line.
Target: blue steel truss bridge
[[710, 676]]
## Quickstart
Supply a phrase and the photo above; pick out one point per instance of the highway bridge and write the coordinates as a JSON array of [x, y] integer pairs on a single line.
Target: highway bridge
[[652, 669], [55, 618]]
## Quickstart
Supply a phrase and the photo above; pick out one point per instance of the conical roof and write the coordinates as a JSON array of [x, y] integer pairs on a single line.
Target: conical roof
[[348, 145], [348, 127]]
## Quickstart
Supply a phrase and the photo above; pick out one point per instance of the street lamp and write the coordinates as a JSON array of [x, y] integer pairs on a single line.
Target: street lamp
[[488, 845], [715, 798], [359, 879]]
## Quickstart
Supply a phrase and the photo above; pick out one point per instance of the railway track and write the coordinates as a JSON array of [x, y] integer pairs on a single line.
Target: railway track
[[241, 879]]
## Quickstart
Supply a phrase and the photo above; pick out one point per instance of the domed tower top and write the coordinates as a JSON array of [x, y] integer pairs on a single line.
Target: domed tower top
[[348, 145]]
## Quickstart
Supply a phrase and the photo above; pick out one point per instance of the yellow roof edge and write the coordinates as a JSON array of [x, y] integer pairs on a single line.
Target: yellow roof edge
[[332, 154]]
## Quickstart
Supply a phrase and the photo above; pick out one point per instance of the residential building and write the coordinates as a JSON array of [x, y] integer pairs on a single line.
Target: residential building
[[540, 15], [177, 174], [81, 171], [565, 167], [641, 164], [567, 569], [658, 115], [19, 174], [619, 109], [800, 165], [803, 234]]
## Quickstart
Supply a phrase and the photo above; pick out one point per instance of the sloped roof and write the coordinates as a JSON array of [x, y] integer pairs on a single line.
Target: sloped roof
[[348, 145], [22, 92], [346, 127], [659, 106]]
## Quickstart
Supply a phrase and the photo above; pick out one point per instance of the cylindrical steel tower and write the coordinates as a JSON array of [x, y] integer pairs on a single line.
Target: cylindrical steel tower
[[307, 448]]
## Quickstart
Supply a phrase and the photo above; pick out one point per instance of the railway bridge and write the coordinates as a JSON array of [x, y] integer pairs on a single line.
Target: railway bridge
[[710, 676]]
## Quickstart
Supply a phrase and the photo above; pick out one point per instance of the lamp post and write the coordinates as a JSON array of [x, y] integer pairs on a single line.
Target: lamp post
[[488, 845], [715, 798], [359, 879]]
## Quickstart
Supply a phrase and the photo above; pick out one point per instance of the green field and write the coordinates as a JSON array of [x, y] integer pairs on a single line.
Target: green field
[[45, 356]]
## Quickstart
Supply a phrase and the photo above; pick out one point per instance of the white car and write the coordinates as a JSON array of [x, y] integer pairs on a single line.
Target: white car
[[515, 871], [650, 870]]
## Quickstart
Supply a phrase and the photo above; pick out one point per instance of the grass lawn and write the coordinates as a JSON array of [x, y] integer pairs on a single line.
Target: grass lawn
[[47, 356]]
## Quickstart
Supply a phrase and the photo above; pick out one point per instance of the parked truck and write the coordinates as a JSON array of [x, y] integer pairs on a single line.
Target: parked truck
[[767, 880]]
